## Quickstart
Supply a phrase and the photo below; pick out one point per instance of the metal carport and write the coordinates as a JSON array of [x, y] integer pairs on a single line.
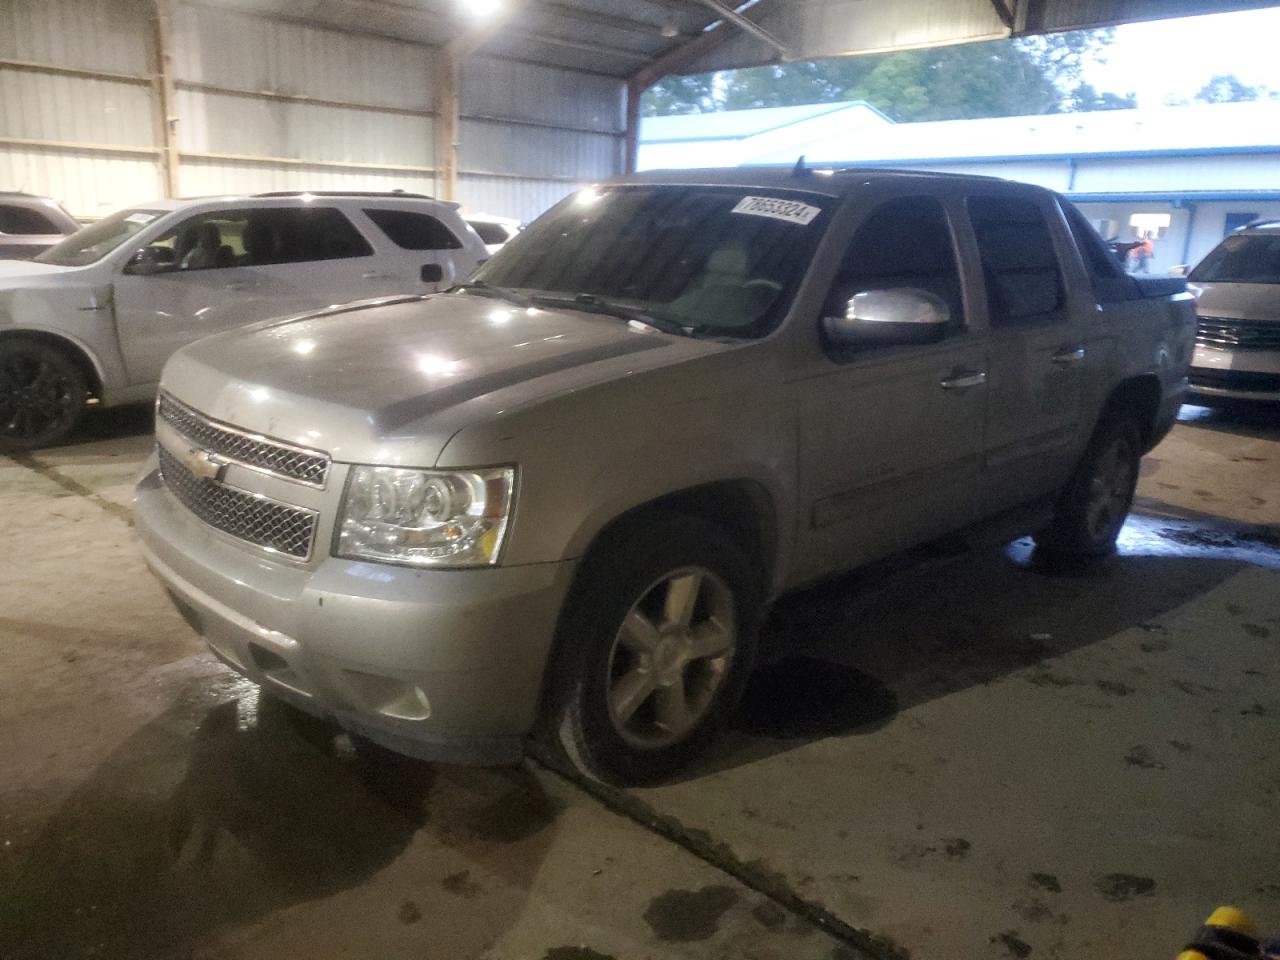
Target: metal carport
[[104, 102]]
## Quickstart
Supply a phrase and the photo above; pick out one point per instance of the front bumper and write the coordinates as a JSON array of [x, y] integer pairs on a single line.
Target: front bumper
[[440, 664], [1236, 374]]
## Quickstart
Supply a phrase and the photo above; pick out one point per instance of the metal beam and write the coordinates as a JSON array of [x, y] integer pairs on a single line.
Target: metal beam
[[31, 66], [680, 57], [750, 26], [302, 162], [540, 125], [77, 146], [631, 144], [275, 95], [165, 95], [445, 131], [1003, 12]]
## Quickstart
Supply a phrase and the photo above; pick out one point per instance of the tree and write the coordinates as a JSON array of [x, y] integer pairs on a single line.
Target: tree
[[674, 95], [1228, 88], [994, 79]]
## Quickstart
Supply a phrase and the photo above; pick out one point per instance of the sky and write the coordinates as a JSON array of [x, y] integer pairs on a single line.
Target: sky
[[1177, 57]]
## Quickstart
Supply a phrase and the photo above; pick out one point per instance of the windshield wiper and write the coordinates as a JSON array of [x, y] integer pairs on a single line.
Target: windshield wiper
[[489, 290], [590, 303]]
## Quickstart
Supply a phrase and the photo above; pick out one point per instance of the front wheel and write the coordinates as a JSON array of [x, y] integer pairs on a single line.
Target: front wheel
[[42, 394], [655, 649], [1097, 500]]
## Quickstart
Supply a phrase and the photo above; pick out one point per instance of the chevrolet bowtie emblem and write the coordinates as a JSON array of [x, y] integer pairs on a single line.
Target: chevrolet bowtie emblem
[[204, 464]]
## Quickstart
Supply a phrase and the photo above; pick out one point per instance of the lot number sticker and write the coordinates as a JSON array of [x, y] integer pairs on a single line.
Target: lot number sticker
[[789, 210]]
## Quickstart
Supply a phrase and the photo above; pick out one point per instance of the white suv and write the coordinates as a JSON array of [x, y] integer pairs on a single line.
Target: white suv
[[97, 315]]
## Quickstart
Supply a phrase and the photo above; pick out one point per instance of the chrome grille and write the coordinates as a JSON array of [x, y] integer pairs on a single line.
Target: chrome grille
[[254, 519], [256, 452], [1238, 334]]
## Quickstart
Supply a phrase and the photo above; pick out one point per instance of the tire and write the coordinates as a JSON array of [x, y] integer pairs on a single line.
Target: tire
[[654, 649], [1097, 499], [42, 394]]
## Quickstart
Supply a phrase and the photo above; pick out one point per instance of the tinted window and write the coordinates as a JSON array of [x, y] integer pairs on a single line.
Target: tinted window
[[489, 232], [414, 231], [1019, 262], [299, 235], [25, 220], [714, 260], [208, 241], [904, 243], [1242, 258], [1098, 259]]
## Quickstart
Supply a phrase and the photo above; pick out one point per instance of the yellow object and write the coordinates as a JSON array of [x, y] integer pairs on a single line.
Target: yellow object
[[1232, 918], [1192, 955]]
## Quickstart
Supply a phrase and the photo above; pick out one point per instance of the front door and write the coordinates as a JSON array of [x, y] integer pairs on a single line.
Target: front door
[[1036, 360], [891, 437], [223, 269]]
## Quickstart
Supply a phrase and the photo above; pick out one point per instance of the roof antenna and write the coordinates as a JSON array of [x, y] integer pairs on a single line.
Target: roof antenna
[[800, 170]]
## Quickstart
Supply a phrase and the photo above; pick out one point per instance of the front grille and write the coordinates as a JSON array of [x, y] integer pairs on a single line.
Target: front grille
[[259, 453], [1243, 380], [1238, 334], [246, 516]]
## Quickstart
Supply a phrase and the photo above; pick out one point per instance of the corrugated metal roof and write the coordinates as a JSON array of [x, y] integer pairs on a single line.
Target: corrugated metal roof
[[733, 124]]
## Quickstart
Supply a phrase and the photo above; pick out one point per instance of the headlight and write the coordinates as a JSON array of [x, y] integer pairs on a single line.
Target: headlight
[[425, 518]]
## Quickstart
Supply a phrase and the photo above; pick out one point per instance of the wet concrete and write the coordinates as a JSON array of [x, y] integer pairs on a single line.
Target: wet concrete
[[977, 754]]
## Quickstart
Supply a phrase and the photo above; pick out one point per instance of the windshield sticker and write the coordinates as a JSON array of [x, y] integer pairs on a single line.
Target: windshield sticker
[[139, 218], [791, 211]]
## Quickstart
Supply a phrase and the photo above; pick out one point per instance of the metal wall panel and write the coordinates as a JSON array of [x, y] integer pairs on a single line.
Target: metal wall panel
[[218, 123], [212, 178], [41, 106], [88, 186], [229, 49], [112, 35], [505, 88], [511, 197], [537, 152]]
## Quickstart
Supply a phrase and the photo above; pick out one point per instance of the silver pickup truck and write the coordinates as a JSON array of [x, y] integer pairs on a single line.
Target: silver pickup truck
[[558, 499]]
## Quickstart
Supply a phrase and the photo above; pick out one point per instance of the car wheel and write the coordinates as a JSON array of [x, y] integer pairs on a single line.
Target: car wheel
[[42, 395], [1097, 500], [655, 649]]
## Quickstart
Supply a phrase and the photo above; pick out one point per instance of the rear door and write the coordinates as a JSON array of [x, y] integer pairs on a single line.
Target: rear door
[[1037, 350], [891, 437]]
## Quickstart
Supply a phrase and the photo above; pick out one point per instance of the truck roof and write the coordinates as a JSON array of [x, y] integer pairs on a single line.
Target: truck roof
[[817, 179]]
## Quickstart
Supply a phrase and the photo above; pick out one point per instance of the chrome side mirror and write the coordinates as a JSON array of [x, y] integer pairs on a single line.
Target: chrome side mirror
[[151, 260], [887, 317]]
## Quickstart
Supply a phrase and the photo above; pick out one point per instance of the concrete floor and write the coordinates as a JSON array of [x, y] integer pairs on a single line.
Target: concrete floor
[[965, 756]]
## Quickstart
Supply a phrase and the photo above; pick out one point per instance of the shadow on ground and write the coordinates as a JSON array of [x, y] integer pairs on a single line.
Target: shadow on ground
[[230, 806], [1243, 418]]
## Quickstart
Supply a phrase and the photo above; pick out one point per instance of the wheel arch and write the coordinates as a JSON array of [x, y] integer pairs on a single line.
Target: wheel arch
[[1138, 396], [79, 354]]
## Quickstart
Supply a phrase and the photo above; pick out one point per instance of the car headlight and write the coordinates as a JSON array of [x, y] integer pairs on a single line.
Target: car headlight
[[425, 518]]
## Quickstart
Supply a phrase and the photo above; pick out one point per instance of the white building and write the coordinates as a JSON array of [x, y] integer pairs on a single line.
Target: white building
[[1187, 175]]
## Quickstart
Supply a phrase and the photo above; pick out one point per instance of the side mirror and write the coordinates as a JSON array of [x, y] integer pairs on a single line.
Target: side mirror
[[1181, 270], [888, 317], [150, 260], [432, 273]]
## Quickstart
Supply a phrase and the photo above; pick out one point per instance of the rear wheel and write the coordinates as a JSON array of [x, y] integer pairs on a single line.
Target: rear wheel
[[655, 649], [1097, 500], [42, 394]]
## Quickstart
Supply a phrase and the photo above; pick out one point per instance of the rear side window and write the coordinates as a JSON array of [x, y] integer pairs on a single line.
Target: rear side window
[[1019, 262], [1242, 258], [299, 235], [415, 231], [489, 232], [903, 243], [19, 220]]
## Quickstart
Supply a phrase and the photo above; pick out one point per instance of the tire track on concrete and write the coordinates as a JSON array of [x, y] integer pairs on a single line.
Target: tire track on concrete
[[857, 944], [75, 487]]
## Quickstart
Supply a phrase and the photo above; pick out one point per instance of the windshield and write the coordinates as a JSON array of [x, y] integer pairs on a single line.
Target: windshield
[[1251, 258], [90, 244], [716, 261]]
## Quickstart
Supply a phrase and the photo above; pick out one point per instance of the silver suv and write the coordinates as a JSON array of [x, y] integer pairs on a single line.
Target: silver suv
[[561, 497], [1238, 338], [95, 317], [31, 225]]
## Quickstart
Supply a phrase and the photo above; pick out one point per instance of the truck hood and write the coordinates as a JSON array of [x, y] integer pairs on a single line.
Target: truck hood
[[1238, 301], [391, 381]]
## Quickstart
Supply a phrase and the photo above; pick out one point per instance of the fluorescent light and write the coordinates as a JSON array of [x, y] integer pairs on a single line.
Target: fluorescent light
[[481, 8]]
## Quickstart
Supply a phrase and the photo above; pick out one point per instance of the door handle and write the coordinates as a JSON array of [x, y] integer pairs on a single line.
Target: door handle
[[1068, 356], [238, 285], [964, 380], [376, 275]]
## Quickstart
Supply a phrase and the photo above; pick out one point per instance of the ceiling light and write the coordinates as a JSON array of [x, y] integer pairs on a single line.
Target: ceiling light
[[481, 8]]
